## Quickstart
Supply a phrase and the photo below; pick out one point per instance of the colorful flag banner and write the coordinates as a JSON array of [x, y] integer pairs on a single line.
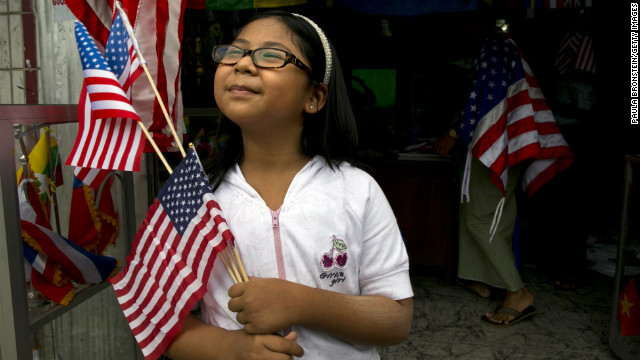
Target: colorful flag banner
[[50, 270], [629, 310], [62, 294], [41, 168], [91, 177], [32, 207], [83, 266], [84, 224], [108, 133], [172, 257]]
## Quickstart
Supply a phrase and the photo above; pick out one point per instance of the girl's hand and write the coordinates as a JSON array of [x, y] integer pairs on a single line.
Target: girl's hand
[[265, 306], [243, 346]]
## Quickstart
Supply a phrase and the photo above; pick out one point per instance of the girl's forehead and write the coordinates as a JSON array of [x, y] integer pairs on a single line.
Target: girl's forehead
[[267, 30]]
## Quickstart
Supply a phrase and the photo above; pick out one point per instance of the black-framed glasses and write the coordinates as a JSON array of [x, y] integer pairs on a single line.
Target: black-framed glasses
[[266, 58]]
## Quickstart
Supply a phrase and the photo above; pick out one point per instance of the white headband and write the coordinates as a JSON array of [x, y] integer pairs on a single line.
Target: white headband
[[327, 49]]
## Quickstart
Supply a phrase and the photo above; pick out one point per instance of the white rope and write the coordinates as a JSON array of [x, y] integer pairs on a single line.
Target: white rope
[[464, 191], [497, 215]]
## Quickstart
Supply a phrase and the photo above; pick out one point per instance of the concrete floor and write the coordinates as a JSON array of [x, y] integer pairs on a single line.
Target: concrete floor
[[567, 325]]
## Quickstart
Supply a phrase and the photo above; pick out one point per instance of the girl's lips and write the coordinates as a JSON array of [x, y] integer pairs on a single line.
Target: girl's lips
[[237, 89]]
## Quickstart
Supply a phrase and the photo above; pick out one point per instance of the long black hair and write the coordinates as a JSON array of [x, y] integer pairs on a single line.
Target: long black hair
[[330, 133]]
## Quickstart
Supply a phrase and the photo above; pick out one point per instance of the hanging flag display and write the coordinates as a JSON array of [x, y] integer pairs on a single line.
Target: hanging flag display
[[629, 310], [43, 157], [506, 119], [81, 265], [92, 227], [108, 134]]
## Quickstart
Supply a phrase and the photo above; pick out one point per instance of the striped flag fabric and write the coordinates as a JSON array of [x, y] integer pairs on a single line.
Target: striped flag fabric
[[171, 258], [46, 277], [108, 134], [506, 119], [576, 51], [566, 53], [91, 177], [585, 55], [81, 265]]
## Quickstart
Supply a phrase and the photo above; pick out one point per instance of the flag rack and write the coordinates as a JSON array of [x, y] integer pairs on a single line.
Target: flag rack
[[20, 322]]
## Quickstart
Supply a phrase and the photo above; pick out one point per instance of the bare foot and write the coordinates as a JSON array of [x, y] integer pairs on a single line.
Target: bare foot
[[517, 300], [479, 288]]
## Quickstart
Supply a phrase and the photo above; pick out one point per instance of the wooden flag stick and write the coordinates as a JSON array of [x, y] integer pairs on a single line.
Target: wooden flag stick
[[244, 273], [155, 147], [143, 62], [52, 180], [226, 265], [233, 265], [164, 110]]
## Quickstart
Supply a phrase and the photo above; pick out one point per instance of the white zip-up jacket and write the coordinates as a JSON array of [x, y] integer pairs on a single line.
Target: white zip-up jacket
[[335, 231]]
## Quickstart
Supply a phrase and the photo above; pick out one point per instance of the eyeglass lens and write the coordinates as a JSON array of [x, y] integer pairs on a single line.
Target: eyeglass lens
[[263, 57]]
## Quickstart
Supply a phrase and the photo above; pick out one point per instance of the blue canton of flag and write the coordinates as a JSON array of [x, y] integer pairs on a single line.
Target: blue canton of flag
[[90, 56], [117, 50], [183, 196], [497, 68]]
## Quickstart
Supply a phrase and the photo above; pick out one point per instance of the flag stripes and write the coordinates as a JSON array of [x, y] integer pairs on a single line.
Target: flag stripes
[[507, 121], [83, 266], [108, 134], [172, 257]]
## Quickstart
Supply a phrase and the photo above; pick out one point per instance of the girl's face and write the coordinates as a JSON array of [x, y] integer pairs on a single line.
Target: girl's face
[[258, 99]]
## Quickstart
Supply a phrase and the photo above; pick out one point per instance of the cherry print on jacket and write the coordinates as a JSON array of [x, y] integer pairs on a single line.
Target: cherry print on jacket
[[336, 257]]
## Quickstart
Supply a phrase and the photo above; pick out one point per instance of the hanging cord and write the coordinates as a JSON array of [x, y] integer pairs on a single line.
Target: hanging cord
[[497, 215], [464, 192], [466, 177]]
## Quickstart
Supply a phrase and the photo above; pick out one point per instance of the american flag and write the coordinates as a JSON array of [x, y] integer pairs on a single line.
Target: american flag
[[576, 51], [108, 135], [158, 27], [507, 121], [172, 257]]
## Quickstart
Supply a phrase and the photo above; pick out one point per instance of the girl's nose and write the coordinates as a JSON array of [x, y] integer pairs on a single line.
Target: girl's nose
[[245, 64]]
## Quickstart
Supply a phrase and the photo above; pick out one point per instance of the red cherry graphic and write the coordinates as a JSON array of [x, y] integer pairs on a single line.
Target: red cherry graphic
[[341, 260], [327, 261]]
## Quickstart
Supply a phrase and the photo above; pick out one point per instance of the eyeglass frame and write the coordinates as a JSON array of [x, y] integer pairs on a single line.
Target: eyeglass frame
[[290, 59]]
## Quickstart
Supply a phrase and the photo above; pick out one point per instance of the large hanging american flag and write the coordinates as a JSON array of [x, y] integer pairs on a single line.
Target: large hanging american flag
[[172, 257], [507, 121], [108, 135], [158, 28]]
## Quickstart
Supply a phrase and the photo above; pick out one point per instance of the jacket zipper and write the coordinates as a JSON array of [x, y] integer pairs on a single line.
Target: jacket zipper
[[275, 217]]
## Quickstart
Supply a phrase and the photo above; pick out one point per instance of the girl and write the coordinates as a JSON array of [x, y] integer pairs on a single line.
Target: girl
[[330, 269]]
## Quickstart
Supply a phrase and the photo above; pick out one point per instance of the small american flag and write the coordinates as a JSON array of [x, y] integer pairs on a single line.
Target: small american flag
[[158, 26], [108, 135], [171, 258], [507, 121]]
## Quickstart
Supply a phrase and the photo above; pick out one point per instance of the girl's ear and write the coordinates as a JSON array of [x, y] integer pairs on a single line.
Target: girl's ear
[[317, 100]]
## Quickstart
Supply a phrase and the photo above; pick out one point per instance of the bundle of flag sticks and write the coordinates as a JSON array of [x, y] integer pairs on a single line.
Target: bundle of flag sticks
[[238, 274]]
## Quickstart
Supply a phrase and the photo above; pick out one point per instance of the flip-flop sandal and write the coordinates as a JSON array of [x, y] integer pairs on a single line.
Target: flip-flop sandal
[[518, 316]]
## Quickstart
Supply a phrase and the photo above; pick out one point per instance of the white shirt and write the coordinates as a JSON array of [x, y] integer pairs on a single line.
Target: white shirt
[[335, 231]]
